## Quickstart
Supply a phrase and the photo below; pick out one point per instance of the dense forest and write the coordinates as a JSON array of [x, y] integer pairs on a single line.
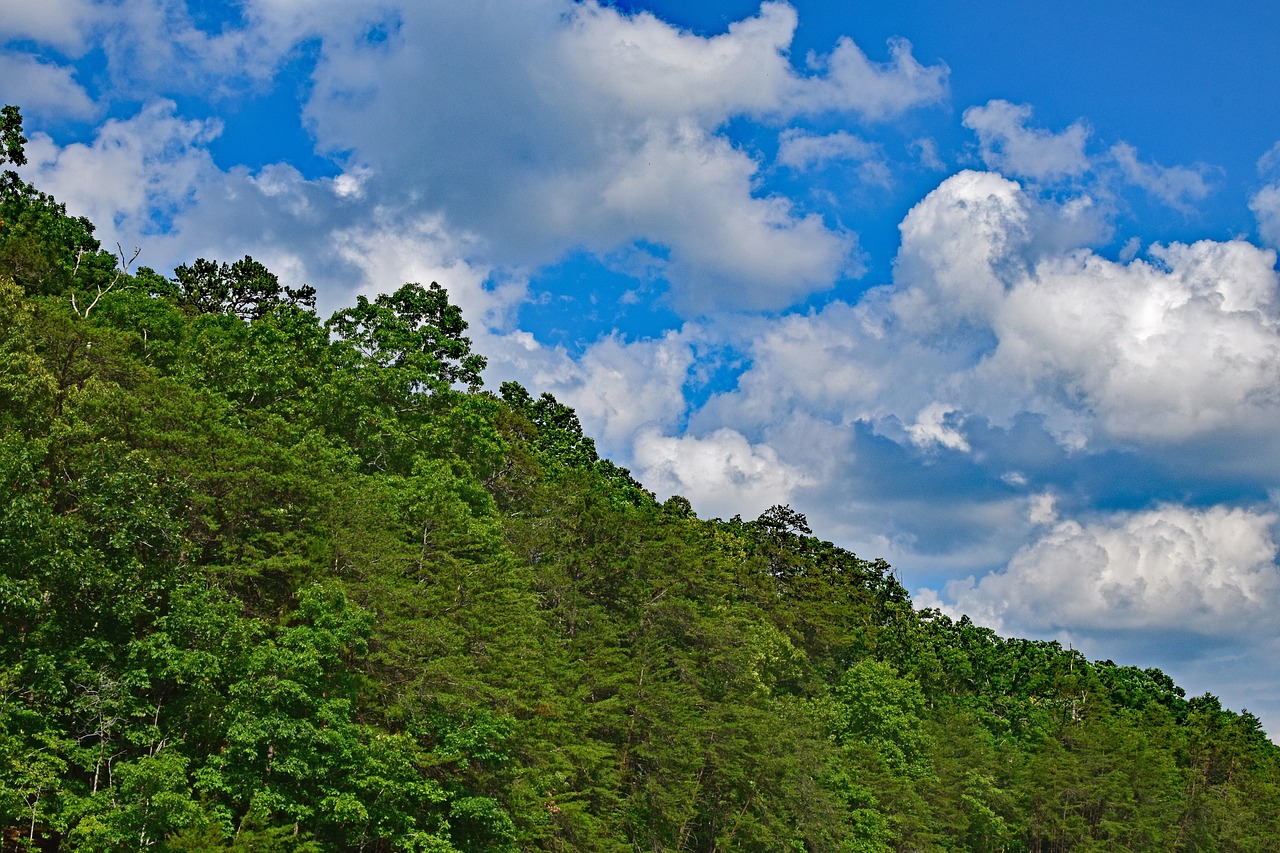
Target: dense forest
[[275, 583]]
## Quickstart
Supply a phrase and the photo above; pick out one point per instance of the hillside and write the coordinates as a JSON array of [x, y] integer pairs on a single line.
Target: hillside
[[271, 582]]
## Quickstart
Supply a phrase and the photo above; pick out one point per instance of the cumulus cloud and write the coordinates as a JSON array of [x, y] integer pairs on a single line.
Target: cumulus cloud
[[1195, 592], [945, 384], [729, 249], [149, 180], [606, 125], [819, 363], [538, 128], [620, 388], [1180, 345], [1172, 568], [932, 426], [1265, 204], [388, 251], [647, 66], [722, 473], [935, 417], [960, 246], [60, 23], [1007, 144], [156, 47], [42, 87], [134, 176]]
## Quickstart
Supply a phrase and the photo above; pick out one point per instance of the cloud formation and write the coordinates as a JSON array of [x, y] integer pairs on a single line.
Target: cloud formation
[[60, 23], [135, 175], [43, 86], [1175, 346], [607, 126], [1180, 187], [722, 473], [540, 127], [1008, 145], [1170, 568], [803, 151]]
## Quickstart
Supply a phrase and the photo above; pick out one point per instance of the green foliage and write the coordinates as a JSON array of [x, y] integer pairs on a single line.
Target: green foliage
[[42, 248], [874, 706], [45, 250], [560, 443], [245, 289], [417, 331], [12, 141]]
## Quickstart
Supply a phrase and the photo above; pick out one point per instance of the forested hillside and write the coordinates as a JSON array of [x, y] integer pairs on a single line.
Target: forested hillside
[[271, 582]]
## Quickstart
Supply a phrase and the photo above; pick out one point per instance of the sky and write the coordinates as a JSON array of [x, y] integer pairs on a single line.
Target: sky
[[986, 289]]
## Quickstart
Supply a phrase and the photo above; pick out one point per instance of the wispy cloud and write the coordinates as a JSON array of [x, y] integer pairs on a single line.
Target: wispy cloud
[[1007, 144]]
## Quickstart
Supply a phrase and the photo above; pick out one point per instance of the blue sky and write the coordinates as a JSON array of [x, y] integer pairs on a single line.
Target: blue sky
[[987, 289]]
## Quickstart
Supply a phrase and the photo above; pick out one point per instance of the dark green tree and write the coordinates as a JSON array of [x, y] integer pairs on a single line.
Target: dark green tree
[[244, 289]]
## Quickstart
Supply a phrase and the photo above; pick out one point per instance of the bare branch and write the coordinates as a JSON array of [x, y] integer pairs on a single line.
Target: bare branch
[[103, 291]]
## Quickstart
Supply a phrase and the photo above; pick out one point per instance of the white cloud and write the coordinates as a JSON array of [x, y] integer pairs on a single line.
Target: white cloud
[[722, 474], [1195, 592], [729, 249], [1265, 204], [55, 22], [1002, 355], [1183, 346], [1163, 350], [1177, 186], [1269, 163], [389, 252], [1172, 568], [157, 47], [575, 126], [931, 427], [135, 171], [803, 151], [877, 91], [647, 67], [1007, 144], [819, 363], [925, 151], [960, 246], [540, 127], [994, 315], [621, 388], [149, 180], [42, 87], [1043, 509]]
